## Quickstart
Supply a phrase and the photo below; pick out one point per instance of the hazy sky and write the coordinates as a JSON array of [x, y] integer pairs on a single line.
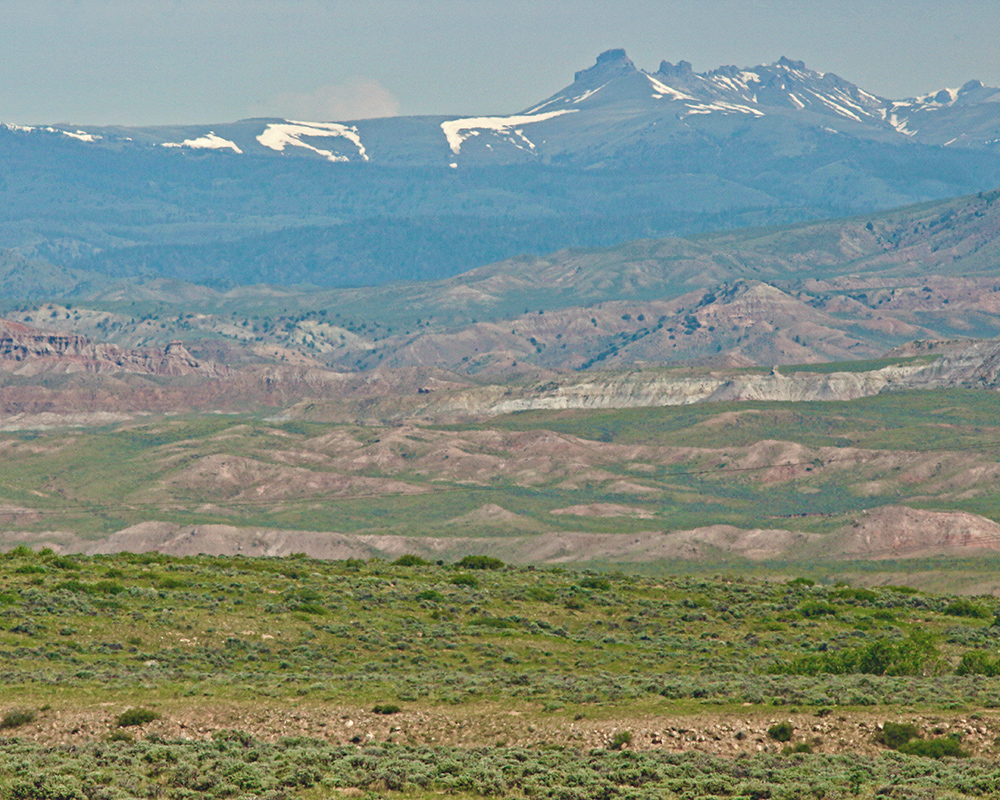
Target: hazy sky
[[177, 61]]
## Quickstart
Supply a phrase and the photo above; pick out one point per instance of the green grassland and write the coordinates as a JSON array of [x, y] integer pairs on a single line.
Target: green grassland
[[238, 627], [220, 658]]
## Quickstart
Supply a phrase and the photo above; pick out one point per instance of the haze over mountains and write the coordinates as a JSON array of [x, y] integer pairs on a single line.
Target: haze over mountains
[[619, 154]]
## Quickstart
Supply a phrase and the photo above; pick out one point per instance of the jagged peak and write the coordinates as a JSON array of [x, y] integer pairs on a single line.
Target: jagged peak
[[614, 55], [788, 63], [682, 69], [608, 63]]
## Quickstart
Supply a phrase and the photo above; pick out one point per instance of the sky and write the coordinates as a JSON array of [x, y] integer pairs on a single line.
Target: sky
[[138, 62]]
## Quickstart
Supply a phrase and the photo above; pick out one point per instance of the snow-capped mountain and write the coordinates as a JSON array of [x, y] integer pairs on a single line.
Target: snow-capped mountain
[[619, 154], [607, 108]]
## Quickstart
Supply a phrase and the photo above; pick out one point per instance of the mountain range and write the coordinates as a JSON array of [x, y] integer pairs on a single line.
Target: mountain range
[[619, 154], [834, 290], [612, 110]]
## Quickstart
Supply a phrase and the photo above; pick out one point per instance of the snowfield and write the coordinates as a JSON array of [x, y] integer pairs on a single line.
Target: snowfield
[[279, 135], [207, 142], [457, 131]]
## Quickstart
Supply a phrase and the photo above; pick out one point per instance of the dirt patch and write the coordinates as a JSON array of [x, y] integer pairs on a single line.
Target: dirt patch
[[241, 478], [605, 510], [901, 532], [492, 513]]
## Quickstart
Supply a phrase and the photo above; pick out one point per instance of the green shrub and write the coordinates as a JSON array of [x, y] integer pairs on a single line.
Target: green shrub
[[621, 739], [541, 594], [880, 657], [494, 622], [479, 562], [895, 734], [61, 562], [601, 584], [465, 580], [965, 608], [309, 608], [802, 582], [410, 560], [862, 595], [135, 717], [942, 747], [978, 662], [816, 608], [430, 595], [781, 731], [17, 718], [386, 708]]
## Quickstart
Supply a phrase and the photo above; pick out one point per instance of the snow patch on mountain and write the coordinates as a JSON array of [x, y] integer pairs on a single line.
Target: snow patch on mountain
[[900, 124], [82, 136], [207, 142], [588, 93], [944, 97], [662, 90], [456, 131], [290, 133], [725, 108], [836, 107]]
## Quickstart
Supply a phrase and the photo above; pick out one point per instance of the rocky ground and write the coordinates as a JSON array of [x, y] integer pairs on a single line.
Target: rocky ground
[[729, 734]]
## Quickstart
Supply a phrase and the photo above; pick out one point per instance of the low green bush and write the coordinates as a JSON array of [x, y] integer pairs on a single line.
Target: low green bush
[[941, 747], [479, 562], [816, 608], [781, 731], [133, 717], [17, 718], [978, 662], [895, 734], [965, 608], [410, 560], [621, 739], [880, 657], [495, 622]]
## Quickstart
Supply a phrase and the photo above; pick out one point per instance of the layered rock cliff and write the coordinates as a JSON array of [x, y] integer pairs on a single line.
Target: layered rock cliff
[[29, 351]]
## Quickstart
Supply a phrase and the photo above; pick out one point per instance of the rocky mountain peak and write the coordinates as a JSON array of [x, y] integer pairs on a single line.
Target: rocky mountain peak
[[609, 64], [788, 63], [682, 69]]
